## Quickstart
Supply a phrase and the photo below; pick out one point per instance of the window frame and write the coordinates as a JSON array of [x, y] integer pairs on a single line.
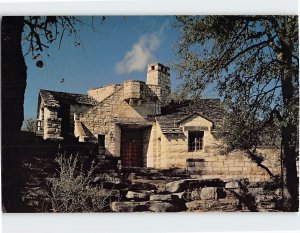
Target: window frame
[[195, 140]]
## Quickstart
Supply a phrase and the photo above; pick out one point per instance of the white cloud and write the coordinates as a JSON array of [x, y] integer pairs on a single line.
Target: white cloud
[[141, 54]]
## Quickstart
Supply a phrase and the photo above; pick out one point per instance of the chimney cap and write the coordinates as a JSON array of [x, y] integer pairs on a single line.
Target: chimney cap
[[159, 64]]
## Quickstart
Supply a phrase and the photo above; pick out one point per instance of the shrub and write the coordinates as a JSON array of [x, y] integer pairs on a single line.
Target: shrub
[[72, 190]]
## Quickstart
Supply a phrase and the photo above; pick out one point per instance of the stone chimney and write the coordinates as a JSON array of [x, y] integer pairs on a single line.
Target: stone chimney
[[159, 75]]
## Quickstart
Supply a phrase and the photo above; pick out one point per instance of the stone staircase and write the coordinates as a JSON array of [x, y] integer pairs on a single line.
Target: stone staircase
[[152, 190], [35, 193]]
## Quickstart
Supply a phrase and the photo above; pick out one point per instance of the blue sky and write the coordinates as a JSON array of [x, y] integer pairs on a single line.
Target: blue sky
[[119, 50]]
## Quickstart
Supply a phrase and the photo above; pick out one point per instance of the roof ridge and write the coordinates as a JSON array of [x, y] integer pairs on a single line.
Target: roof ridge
[[63, 92]]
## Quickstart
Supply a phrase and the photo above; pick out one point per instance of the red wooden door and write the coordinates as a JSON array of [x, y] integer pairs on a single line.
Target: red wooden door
[[132, 148]]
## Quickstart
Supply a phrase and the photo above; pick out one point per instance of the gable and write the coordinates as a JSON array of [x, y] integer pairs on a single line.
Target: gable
[[195, 117], [55, 99], [196, 122]]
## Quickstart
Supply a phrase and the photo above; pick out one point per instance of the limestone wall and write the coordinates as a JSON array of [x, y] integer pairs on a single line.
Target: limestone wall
[[166, 151], [101, 93], [52, 124], [146, 139], [105, 117], [151, 152], [158, 74], [213, 163], [76, 109], [52, 128], [132, 89]]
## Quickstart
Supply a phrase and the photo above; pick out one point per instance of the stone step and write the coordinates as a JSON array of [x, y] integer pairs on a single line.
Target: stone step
[[145, 206]]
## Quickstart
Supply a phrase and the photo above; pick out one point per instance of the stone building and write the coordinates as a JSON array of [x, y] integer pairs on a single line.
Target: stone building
[[135, 122]]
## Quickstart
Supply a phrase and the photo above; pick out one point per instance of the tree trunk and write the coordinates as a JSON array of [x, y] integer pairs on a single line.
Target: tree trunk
[[289, 171], [13, 85], [289, 137]]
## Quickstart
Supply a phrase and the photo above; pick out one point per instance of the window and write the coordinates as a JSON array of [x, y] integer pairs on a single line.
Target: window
[[195, 140], [101, 140], [152, 67]]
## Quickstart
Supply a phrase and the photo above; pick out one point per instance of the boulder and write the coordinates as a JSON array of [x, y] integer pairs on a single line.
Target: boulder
[[232, 185], [200, 205], [142, 185], [195, 194], [182, 185], [208, 193], [226, 205], [107, 178], [145, 206], [161, 197], [159, 206], [130, 206], [141, 195]]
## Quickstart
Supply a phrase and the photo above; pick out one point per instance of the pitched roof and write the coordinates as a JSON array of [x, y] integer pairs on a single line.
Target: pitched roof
[[173, 114], [55, 98]]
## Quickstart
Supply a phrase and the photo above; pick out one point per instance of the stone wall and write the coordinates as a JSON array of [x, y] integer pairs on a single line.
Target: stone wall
[[76, 109], [105, 117], [236, 165], [158, 74], [167, 151], [101, 93], [146, 139], [52, 124], [52, 128], [132, 89]]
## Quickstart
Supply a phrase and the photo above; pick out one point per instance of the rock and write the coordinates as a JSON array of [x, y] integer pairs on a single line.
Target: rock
[[232, 185], [144, 195], [200, 205], [115, 185], [97, 179], [265, 198], [107, 178], [141, 185], [154, 206], [181, 185], [266, 206], [195, 194], [159, 206], [37, 192], [256, 191], [161, 197], [129, 206], [179, 195], [208, 193], [278, 192], [176, 186], [227, 205]]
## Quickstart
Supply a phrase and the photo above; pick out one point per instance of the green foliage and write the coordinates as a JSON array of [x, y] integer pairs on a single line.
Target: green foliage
[[253, 63], [73, 191]]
